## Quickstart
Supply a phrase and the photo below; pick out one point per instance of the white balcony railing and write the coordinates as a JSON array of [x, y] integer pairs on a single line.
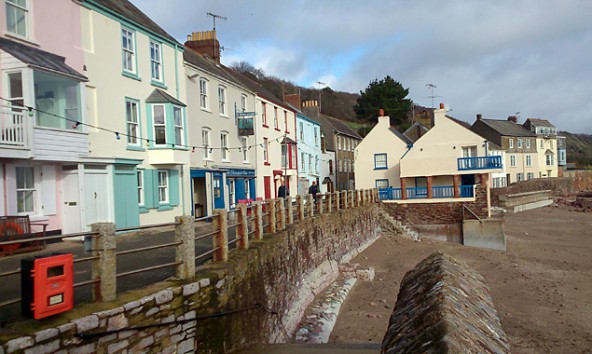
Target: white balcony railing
[[13, 127]]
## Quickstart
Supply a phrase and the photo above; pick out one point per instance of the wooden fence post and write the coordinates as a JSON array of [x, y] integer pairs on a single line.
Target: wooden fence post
[[300, 207], [290, 211], [220, 240], [258, 221], [271, 220], [242, 229]]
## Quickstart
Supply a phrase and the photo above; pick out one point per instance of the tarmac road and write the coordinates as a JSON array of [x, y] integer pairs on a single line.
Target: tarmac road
[[10, 286]]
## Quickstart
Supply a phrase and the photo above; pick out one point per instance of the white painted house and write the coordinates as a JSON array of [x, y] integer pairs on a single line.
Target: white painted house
[[220, 117]]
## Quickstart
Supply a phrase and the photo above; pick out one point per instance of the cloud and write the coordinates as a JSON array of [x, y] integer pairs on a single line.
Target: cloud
[[494, 58]]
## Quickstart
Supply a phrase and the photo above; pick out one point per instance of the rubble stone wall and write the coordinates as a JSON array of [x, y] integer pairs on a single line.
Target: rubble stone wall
[[572, 182], [258, 296], [444, 306]]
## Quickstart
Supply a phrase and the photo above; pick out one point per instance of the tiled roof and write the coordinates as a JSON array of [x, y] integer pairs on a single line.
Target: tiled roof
[[506, 127], [127, 10], [39, 59]]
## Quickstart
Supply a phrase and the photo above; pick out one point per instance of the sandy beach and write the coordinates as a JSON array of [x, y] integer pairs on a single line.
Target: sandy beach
[[541, 286]]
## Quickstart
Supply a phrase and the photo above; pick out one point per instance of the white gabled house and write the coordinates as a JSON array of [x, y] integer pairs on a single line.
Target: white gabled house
[[443, 164], [378, 156]]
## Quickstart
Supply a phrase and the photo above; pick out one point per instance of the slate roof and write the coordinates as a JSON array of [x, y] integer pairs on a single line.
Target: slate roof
[[40, 59], [506, 127], [209, 65], [258, 89], [401, 136], [127, 10], [159, 96], [540, 122]]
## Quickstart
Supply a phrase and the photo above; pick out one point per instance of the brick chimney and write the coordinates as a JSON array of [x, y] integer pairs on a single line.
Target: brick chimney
[[294, 100], [204, 43], [479, 116], [513, 119]]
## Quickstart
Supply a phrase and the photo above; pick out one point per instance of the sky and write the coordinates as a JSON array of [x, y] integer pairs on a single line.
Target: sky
[[530, 58]]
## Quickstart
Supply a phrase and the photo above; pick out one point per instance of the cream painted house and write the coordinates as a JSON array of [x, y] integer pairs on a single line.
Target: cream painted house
[[378, 156], [221, 112], [445, 163], [137, 171], [546, 146]]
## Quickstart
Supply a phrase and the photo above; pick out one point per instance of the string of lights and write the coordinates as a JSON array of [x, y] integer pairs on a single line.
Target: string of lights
[[118, 135]]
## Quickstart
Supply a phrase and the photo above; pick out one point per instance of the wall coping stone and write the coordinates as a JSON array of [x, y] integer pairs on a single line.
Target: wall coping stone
[[444, 306]]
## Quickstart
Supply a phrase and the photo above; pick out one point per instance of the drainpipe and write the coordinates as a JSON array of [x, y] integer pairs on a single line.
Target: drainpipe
[[176, 72]]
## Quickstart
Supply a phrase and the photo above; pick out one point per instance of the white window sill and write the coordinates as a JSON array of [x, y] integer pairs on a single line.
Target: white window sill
[[20, 38]]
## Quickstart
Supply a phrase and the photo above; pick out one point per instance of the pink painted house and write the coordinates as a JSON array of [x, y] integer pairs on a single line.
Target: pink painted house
[[43, 141]]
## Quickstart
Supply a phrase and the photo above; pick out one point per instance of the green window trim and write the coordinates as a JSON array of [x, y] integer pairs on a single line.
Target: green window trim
[[151, 190], [135, 73], [169, 127], [138, 134]]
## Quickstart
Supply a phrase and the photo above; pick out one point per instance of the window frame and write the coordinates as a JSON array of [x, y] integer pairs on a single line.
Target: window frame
[[164, 124], [205, 141], [26, 11], [519, 143], [245, 143], [158, 61], [527, 143], [512, 160], [376, 183], [243, 102], [266, 150], [25, 190], [376, 161], [222, 109], [264, 114], [528, 160], [137, 135], [224, 153], [286, 121], [178, 126], [132, 52], [164, 187], [203, 93], [303, 161], [511, 143], [276, 124], [140, 179]]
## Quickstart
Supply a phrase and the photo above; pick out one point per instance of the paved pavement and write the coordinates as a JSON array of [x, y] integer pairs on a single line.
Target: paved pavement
[[11, 285]]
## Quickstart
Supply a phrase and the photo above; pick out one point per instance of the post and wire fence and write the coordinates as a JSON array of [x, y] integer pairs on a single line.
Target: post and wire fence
[[194, 240]]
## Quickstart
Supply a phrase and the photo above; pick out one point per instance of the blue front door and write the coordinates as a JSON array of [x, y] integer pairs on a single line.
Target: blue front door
[[127, 210], [218, 187]]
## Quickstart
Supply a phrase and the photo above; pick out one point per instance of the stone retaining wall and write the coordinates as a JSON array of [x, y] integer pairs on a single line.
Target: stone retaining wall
[[258, 296], [573, 182], [444, 306]]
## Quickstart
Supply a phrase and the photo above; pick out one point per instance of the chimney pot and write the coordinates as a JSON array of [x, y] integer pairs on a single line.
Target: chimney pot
[[513, 119], [441, 105], [479, 116], [381, 112]]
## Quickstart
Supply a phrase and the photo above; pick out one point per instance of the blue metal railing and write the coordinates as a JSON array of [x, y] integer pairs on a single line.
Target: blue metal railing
[[443, 192], [390, 193], [479, 163], [466, 191]]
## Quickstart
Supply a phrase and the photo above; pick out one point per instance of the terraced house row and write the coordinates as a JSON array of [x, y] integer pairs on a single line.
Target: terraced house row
[[104, 116]]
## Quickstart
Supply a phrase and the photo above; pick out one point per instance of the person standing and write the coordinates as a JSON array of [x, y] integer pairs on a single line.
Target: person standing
[[283, 191], [313, 189]]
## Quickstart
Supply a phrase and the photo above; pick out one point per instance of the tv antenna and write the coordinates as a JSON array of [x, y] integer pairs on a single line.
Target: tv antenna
[[214, 17], [431, 87], [324, 84]]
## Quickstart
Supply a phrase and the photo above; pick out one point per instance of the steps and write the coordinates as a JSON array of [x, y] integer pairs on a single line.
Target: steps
[[390, 224]]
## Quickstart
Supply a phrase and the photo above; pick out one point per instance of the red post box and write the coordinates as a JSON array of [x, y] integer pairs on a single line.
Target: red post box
[[47, 285]]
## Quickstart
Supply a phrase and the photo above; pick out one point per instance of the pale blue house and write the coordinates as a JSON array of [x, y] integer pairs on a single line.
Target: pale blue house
[[309, 152]]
